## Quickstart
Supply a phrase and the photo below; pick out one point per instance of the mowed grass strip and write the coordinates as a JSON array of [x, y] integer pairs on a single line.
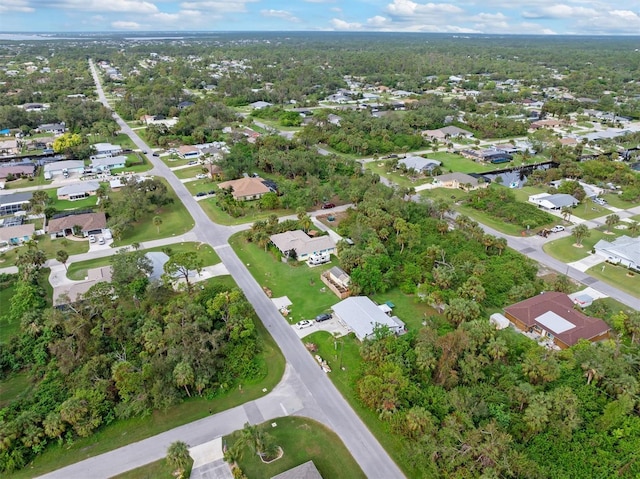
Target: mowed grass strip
[[123, 432], [252, 212], [618, 276], [563, 249], [301, 440], [300, 283], [78, 271]]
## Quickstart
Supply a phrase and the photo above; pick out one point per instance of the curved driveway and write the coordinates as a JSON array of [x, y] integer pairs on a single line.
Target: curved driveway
[[317, 395]]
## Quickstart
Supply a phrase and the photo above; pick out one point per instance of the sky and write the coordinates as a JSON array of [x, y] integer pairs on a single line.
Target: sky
[[545, 17]]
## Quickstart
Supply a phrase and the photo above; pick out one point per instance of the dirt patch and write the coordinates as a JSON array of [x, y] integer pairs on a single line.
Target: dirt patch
[[337, 218]]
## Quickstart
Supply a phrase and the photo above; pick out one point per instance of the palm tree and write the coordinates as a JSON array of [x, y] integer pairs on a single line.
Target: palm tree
[[611, 221], [580, 232], [157, 221], [62, 256], [178, 457], [500, 244], [566, 213], [634, 228], [39, 202]]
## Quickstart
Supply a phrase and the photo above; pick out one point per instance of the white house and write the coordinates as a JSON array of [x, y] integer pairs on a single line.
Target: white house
[[303, 245], [78, 191], [361, 315], [188, 152], [623, 250], [61, 167], [108, 163], [107, 149], [419, 164], [553, 202]]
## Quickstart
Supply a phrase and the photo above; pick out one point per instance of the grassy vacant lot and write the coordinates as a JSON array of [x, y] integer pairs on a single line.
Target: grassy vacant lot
[[176, 220], [614, 200], [78, 271], [345, 352], [49, 246], [301, 440], [120, 139], [174, 160], [12, 388], [617, 276], [407, 308], [201, 185], [522, 194], [564, 250], [154, 470], [589, 211], [396, 177], [190, 172], [253, 213], [455, 162], [299, 282], [138, 164], [121, 433]]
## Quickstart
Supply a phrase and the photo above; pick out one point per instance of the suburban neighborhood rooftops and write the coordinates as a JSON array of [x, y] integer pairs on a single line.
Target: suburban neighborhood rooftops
[[624, 247], [87, 221], [556, 201], [78, 188], [244, 187], [301, 243], [63, 165], [418, 163], [362, 315], [13, 198], [555, 313]]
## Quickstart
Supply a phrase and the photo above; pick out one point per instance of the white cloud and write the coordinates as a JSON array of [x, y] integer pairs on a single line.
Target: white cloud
[[119, 6], [283, 14], [16, 6], [378, 21], [218, 6], [342, 25], [407, 8], [560, 11], [124, 25]]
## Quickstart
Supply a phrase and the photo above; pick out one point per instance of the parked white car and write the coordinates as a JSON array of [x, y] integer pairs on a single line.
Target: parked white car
[[557, 229], [305, 323], [201, 176]]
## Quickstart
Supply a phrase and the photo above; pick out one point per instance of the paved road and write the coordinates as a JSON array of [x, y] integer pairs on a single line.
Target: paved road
[[317, 395]]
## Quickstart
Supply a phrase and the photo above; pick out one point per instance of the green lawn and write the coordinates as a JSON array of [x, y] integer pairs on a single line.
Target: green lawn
[[617, 276], [174, 160], [65, 205], [522, 194], [154, 470], [123, 432], [495, 223], [49, 246], [564, 250], [253, 213], [299, 282], [142, 164], [120, 139], [7, 328], [38, 180], [13, 387], [614, 200], [407, 308], [201, 185], [176, 220], [455, 162], [78, 271], [191, 172], [301, 440], [396, 177], [589, 211], [345, 361]]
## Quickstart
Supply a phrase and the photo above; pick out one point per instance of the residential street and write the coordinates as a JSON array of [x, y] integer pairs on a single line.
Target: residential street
[[317, 395], [305, 389]]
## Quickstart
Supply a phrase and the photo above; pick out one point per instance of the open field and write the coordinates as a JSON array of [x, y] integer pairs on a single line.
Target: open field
[[299, 282], [78, 271], [123, 432], [253, 213], [398, 178], [455, 162], [301, 440], [198, 186]]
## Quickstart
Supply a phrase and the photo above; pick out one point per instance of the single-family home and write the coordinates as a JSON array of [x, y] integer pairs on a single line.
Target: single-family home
[[14, 202], [88, 223], [9, 147], [301, 246], [460, 181], [307, 470], [446, 133], [362, 316], [259, 105], [16, 235], [185, 104], [549, 123], [246, 189], [107, 149], [419, 164], [623, 250], [492, 155], [108, 163], [64, 168], [552, 315], [17, 170], [53, 128], [78, 191], [188, 152], [553, 202]]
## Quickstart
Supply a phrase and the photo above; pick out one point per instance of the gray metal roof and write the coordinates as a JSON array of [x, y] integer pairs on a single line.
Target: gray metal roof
[[13, 198], [78, 188], [362, 315]]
